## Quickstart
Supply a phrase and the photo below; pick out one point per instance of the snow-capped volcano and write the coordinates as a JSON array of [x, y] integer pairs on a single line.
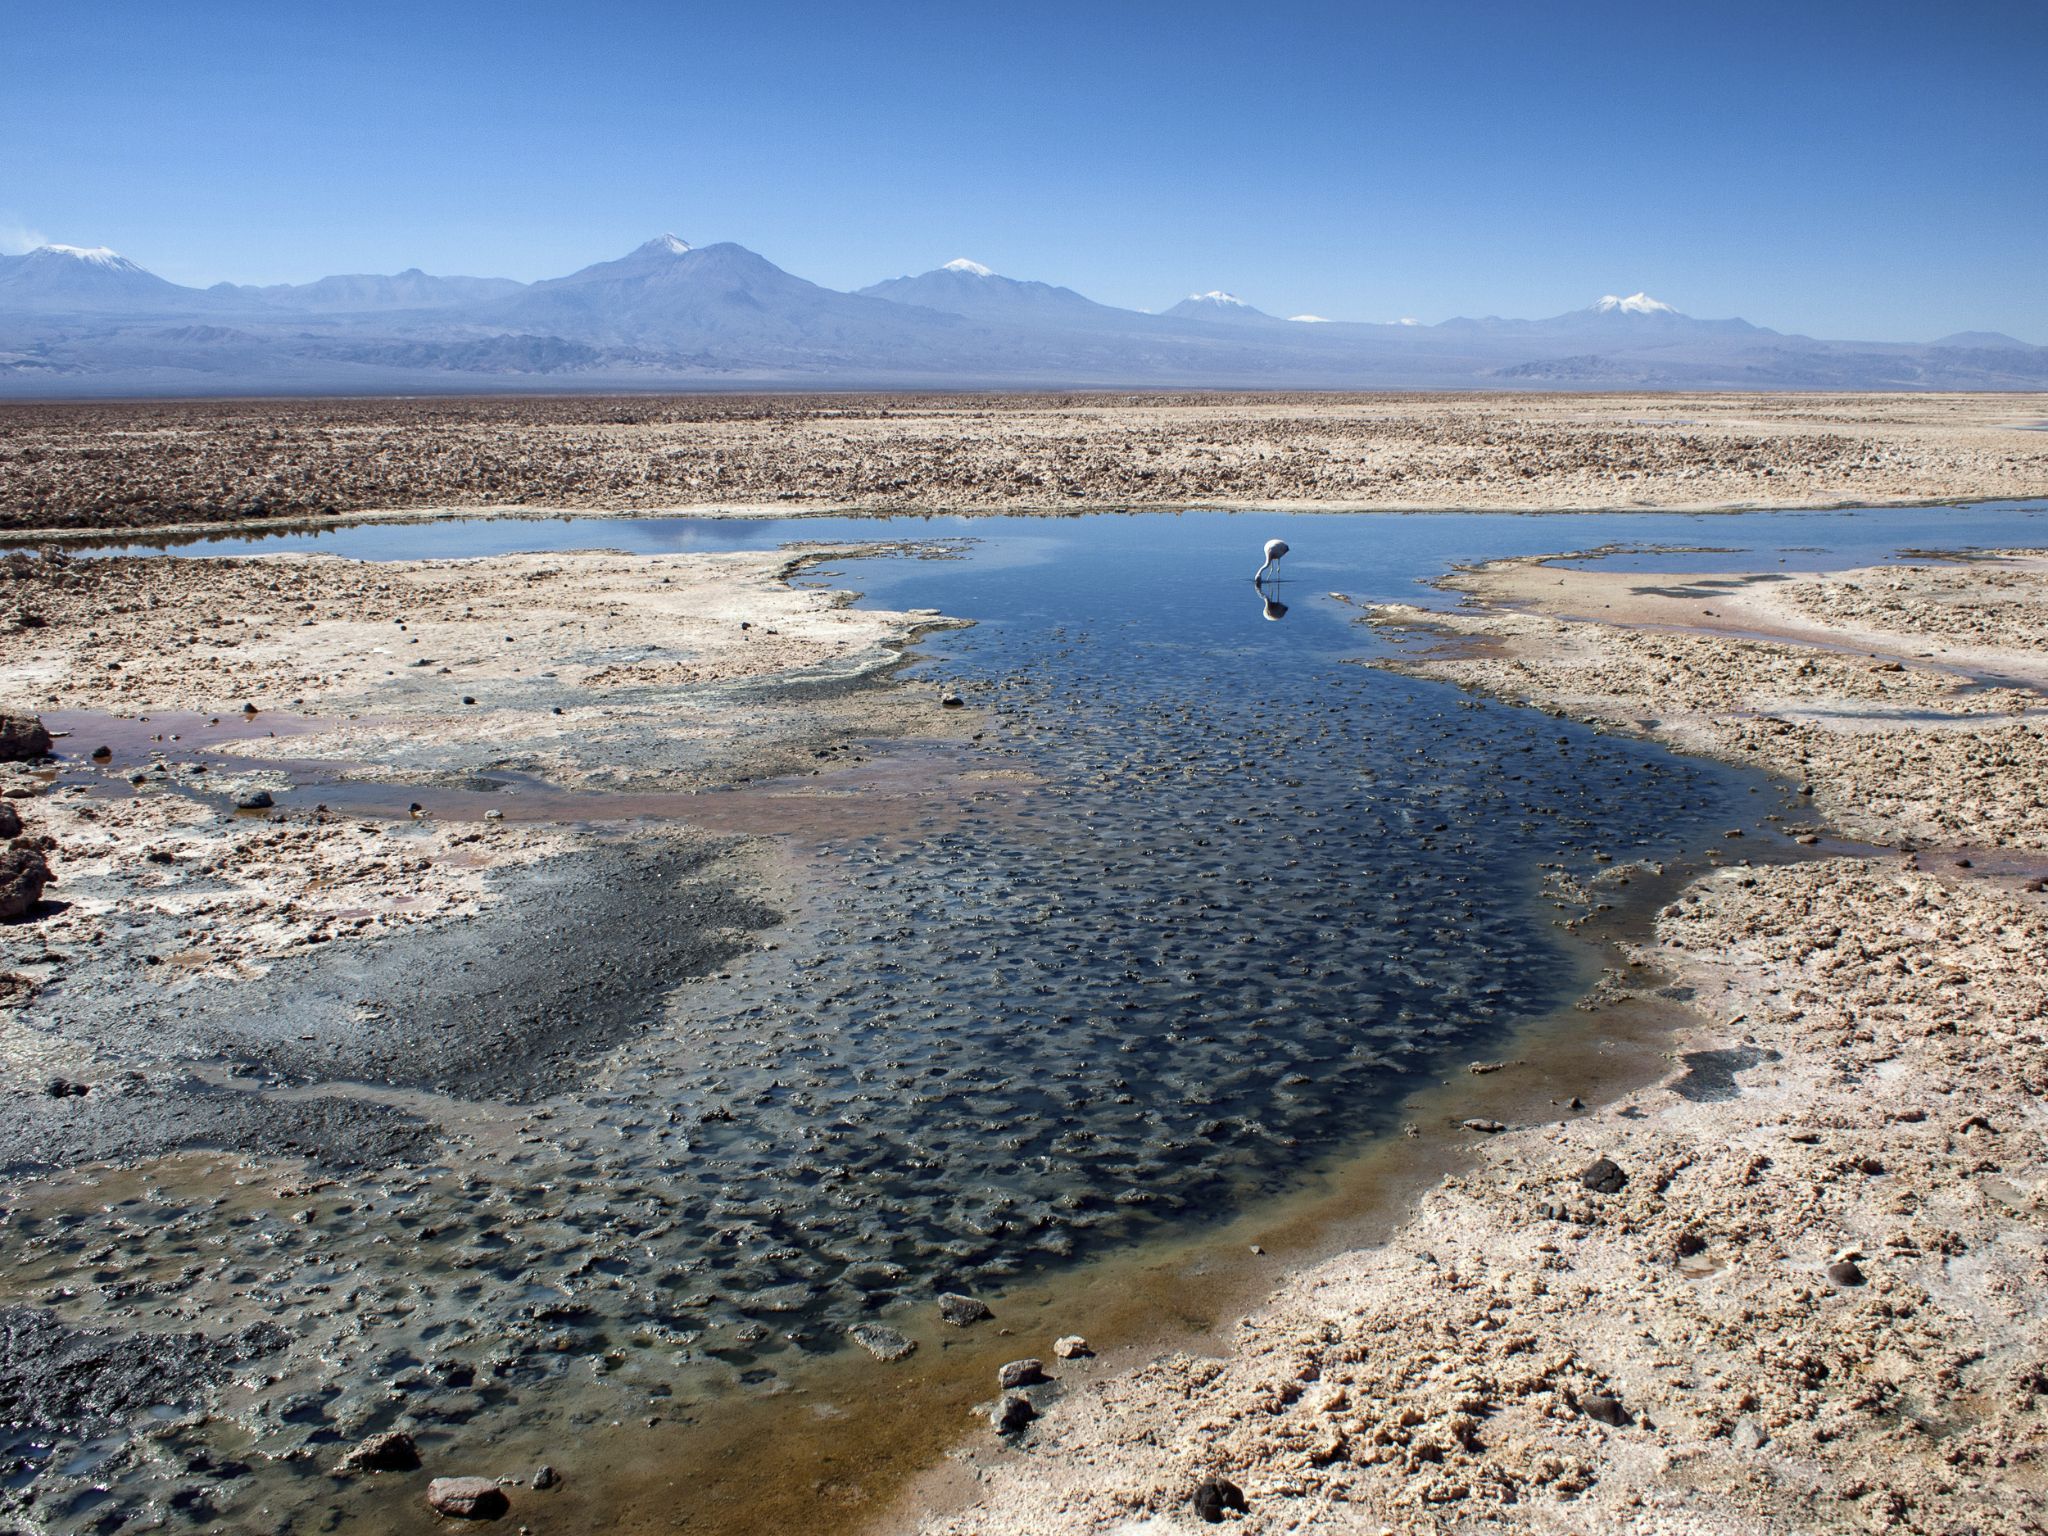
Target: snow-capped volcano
[[1634, 304], [1216, 305], [85, 277], [674, 245], [92, 255], [964, 287]]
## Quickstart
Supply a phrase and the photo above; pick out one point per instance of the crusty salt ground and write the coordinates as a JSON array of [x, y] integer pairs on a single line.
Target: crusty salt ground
[[86, 466], [316, 636]]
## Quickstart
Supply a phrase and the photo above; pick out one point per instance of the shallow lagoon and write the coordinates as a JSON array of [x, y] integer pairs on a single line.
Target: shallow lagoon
[[1243, 898]]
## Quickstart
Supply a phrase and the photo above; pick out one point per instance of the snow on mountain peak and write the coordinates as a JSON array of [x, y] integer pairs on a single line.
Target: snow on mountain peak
[[1218, 296], [675, 245], [971, 268], [94, 255], [1634, 304]]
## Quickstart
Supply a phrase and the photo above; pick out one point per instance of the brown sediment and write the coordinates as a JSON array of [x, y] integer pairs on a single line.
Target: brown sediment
[[93, 467], [1808, 1296]]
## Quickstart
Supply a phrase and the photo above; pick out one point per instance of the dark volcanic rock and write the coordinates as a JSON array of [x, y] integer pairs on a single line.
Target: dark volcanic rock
[[23, 874], [10, 820], [1603, 1176], [1214, 1496], [1845, 1272], [22, 739], [55, 1377], [1604, 1407], [255, 800], [1011, 1414]]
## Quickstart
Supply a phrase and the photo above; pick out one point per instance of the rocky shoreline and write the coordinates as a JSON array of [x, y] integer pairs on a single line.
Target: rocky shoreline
[[1795, 1285]]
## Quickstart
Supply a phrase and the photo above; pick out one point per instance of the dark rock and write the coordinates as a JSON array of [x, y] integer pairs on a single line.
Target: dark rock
[[22, 739], [1487, 1126], [1020, 1373], [102, 754], [392, 1451], [1603, 1176], [882, 1343], [1214, 1496], [255, 800], [23, 874], [546, 1477], [64, 1088], [1845, 1273], [1604, 1407], [952, 701], [467, 1498], [1011, 1414], [10, 821], [962, 1310], [1690, 1243]]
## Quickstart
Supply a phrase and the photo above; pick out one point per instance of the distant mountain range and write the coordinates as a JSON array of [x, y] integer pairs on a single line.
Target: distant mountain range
[[77, 320]]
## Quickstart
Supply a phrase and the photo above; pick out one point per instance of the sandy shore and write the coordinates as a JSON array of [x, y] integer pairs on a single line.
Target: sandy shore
[[166, 464], [1803, 1290]]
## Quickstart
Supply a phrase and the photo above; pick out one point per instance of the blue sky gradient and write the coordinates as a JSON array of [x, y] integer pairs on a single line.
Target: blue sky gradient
[[1850, 170]]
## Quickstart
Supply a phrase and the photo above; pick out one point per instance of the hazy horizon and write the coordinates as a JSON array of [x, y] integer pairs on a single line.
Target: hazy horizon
[[1854, 172]]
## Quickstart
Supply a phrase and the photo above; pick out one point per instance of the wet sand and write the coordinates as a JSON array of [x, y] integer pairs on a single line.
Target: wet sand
[[89, 467], [1794, 1283]]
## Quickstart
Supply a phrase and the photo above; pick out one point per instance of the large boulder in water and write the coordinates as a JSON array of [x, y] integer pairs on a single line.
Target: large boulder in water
[[22, 738]]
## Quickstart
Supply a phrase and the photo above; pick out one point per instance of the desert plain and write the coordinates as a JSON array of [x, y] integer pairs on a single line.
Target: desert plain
[[1792, 1283]]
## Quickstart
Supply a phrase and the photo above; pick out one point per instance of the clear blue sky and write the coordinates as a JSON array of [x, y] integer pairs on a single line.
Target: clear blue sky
[[1867, 169]]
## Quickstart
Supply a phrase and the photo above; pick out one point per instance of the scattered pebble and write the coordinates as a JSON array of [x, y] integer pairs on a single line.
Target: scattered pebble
[[1215, 1496], [467, 1498], [960, 1310], [883, 1343], [1021, 1373]]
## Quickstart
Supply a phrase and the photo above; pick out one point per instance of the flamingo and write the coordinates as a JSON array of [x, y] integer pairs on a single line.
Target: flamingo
[[1275, 548]]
